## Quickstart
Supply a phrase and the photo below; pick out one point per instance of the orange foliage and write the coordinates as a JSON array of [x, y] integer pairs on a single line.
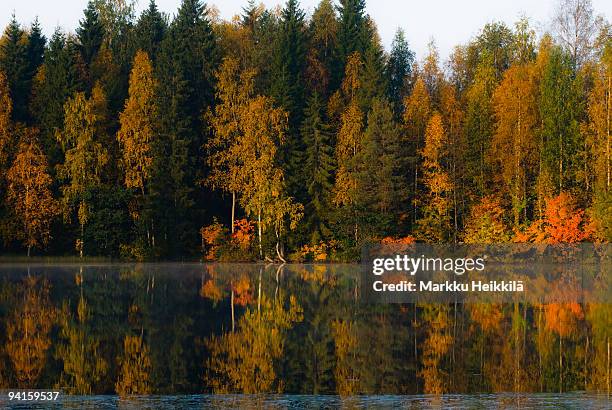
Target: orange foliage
[[212, 236], [317, 253], [210, 290], [244, 232], [406, 240], [562, 223]]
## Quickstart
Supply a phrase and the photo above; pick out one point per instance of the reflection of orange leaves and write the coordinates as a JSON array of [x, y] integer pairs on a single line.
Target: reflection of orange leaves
[[210, 290], [242, 290], [563, 318], [488, 316]]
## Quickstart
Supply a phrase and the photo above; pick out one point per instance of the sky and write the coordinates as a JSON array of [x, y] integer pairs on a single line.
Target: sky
[[448, 22]]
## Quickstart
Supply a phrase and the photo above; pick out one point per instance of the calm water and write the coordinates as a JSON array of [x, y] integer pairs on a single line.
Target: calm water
[[200, 336], [483, 401]]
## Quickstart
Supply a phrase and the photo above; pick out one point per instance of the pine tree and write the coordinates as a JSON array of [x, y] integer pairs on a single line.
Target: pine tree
[[399, 71], [318, 169], [90, 33], [14, 64]]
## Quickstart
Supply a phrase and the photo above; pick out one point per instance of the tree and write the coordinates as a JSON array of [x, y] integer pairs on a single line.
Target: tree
[[479, 124], [381, 188], [234, 90], [29, 192], [598, 128], [323, 36], [6, 128], [56, 80], [417, 111], [35, 51], [263, 190], [353, 33], [348, 148], [14, 63], [434, 226], [318, 169], [514, 144], [560, 111], [399, 71], [576, 25], [85, 158], [150, 30], [90, 33], [137, 132], [287, 89], [486, 224]]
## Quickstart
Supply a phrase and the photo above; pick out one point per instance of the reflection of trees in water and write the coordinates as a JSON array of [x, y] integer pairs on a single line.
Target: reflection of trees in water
[[296, 330]]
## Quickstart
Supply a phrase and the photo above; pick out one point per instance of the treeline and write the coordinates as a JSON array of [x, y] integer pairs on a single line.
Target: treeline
[[278, 135], [288, 329]]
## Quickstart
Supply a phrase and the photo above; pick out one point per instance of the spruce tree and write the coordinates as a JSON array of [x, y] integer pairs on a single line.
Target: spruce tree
[[288, 90], [14, 63], [35, 51], [353, 33], [318, 169], [399, 71], [90, 33], [150, 30]]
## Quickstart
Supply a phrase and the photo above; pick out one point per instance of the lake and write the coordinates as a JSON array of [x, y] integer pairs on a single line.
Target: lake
[[294, 336]]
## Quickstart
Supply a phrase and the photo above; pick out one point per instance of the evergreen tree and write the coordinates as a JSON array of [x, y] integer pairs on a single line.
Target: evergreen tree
[[323, 35], [399, 71], [35, 51], [90, 33], [56, 80], [382, 189], [288, 89], [560, 110], [14, 63], [150, 30], [353, 33], [318, 169]]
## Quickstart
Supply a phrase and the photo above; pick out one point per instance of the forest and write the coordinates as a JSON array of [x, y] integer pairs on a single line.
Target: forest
[[283, 136]]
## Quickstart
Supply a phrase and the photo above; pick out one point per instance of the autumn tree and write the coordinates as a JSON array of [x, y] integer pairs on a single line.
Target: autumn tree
[[85, 158], [234, 90], [417, 111], [6, 131], [514, 143], [29, 192], [575, 25], [434, 226], [486, 224]]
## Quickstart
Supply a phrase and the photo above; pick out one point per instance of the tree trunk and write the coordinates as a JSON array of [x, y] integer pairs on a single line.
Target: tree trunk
[[259, 233], [233, 209], [29, 247], [560, 364]]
